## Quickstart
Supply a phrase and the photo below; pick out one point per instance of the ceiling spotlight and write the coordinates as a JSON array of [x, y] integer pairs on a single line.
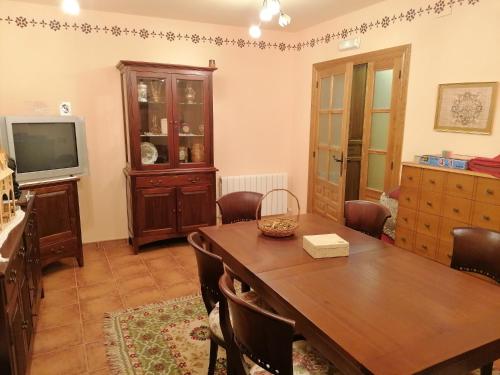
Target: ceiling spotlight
[[71, 7], [273, 6], [284, 20], [265, 15], [255, 31]]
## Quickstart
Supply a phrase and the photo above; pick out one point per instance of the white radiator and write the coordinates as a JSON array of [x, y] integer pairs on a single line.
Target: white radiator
[[276, 203]]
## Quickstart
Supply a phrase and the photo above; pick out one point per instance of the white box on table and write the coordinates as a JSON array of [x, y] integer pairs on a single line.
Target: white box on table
[[325, 245]]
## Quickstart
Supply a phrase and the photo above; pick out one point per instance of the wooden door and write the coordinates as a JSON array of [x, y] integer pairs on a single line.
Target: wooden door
[[329, 142], [156, 211], [195, 206], [382, 132]]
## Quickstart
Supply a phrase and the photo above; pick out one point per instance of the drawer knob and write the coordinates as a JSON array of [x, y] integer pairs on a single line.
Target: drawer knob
[[424, 247], [405, 219], [195, 180], [432, 182], [410, 178], [173, 210], [407, 199], [428, 203], [490, 192], [24, 324], [403, 239], [456, 210], [449, 255], [428, 226], [459, 186], [486, 218]]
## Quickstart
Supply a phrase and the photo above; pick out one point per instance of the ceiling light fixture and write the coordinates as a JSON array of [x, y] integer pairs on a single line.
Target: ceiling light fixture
[[71, 7], [269, 9]]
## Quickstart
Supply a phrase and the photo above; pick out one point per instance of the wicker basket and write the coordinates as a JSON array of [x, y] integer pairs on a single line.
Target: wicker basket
[[278, 226]]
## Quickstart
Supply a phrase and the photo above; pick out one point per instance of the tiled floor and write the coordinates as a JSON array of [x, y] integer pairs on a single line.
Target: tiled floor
[[69, 337]]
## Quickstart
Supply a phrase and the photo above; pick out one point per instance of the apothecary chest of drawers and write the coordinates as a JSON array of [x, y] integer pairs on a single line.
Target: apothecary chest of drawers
[[435, 200]]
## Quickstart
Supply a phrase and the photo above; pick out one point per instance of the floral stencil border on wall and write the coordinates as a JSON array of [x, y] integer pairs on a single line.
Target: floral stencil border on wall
[[410, 15]]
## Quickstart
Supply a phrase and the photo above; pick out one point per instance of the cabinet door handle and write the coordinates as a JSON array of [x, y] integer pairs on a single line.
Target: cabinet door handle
[[24, 324], [459, 186], [490, 192], [486, 218]]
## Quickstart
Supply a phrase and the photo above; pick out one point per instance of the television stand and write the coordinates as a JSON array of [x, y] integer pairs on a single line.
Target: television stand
[[58, 216]]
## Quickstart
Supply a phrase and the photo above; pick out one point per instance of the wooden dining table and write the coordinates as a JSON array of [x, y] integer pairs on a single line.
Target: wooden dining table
[[381, 310]]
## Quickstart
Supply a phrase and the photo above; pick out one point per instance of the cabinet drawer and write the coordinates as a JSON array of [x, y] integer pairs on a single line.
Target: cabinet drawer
[[486, 216], [404, 238], [488, 190], [13, 274], [410, 176], [427, 224], [460, 185], [444, 252], [425, 245], [60, 249], [430, 202], [447, 226], [433, 180], [406, 217], [457, 208], [169, 181], [408, 197]]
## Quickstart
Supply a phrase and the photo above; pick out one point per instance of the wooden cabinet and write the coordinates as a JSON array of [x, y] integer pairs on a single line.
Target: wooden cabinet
[[434, 200], [58, 217], [20, 290], [169, 149]]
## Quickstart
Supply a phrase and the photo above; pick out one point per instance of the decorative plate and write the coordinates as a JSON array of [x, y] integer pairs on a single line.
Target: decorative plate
[[149, 153]]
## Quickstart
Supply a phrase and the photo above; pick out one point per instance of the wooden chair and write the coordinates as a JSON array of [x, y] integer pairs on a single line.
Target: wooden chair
[[365, 216], [267, 338], [210, 269], [239, 206], [477, 250]]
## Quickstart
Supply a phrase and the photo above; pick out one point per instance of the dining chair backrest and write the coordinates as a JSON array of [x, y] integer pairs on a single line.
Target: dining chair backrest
[[210, 269], [477, 250], [264, 337], [365, 216], [239, 206]]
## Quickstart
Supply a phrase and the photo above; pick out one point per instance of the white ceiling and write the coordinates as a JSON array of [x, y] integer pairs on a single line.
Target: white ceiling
[[304, 13]]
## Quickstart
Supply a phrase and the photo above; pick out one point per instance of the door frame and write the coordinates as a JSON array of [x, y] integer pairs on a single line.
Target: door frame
[[404, 52]]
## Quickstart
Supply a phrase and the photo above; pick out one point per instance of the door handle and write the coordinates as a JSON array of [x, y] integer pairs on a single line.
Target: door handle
[[341, 161]]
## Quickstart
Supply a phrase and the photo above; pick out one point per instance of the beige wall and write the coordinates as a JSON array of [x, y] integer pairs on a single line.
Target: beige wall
[[262, 98]]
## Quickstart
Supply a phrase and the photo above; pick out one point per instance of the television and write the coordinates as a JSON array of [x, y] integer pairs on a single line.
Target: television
[[45, 148]]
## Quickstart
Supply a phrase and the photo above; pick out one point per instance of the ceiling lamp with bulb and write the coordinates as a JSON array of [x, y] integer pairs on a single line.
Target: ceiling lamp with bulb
[[71, 7], [270, 8]]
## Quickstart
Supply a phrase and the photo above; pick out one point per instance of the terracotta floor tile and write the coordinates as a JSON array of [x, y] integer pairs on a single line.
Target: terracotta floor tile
[[127, 285], [130, 270], [114, 243], [154, 253], [96, 356], [60, 297], [170, 277], [143, 297], [94, 309], [56, 338], [99, 290], [120, 251], [62, 362], [180, 290], [93, 331], [96, 263], [161, 264], [62, 279], [125, 260], [54, 316], [93, 275]]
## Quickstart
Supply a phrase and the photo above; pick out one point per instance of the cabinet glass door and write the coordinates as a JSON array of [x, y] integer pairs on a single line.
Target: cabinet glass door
[[152, 97], [191, 119]]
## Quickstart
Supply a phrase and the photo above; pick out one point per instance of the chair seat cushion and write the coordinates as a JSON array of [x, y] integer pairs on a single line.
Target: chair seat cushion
[[306, 361], [213, 317]]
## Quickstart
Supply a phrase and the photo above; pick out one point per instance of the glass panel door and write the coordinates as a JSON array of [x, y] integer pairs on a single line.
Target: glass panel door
[[152, 98], [190, 115]]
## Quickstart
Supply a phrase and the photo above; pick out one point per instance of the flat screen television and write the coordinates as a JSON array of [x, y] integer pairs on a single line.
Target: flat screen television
[[45, 148]]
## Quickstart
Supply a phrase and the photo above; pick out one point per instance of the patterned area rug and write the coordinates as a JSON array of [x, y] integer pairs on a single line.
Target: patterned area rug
[[166, 338], [170, 338]]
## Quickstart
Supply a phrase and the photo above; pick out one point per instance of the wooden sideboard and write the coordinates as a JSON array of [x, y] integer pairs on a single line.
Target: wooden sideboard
[[20, 292], [435, 200], [58, 214]]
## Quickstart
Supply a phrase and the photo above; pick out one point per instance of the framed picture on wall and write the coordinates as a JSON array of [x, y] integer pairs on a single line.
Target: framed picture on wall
[[466, 107]]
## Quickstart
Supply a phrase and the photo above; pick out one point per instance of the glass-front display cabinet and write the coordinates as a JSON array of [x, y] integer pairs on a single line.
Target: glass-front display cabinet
[[169, 149]]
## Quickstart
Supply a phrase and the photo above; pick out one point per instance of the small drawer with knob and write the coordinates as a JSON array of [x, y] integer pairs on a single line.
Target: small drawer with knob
[[460, 185], [457, 208], [430, 202], [410, 176], [433, 180], [447, 225], [173, 180], [404, 238], [427, 224], [488, 190], [408, 197], [444, 252], [486, 216], [425, 245], [406, 217], [58, 250]]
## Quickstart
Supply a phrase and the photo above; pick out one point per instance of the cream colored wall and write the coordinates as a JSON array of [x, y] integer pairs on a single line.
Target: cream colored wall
[[461, 47], [262, 98], [39, 68]]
